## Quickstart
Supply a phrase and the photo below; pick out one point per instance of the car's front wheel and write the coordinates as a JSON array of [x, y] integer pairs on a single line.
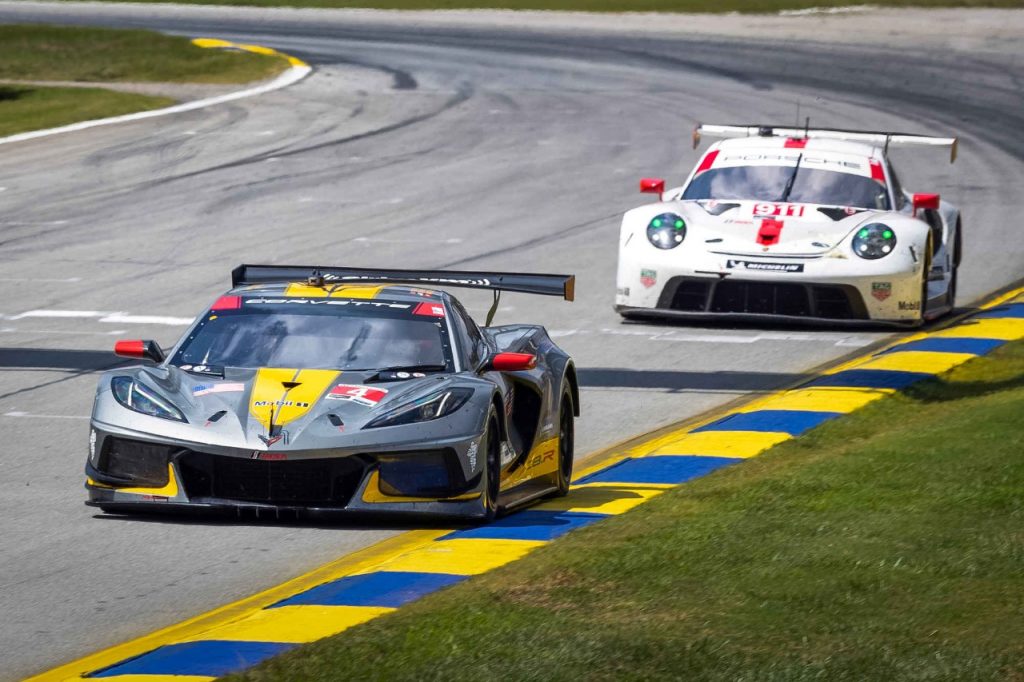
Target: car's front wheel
[[491, 446], [566, 442]]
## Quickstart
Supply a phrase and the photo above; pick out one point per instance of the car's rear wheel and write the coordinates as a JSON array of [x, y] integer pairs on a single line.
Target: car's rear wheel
[[492, 469], [926, 272], [566, 445]]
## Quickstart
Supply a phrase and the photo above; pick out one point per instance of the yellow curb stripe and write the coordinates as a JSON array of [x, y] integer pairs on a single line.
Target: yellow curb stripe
[[293, 624], [824, 399], [917, 361], [721, 443], [217, 43], [609, 498], [156, 678], [459, 556], [1008, 329]]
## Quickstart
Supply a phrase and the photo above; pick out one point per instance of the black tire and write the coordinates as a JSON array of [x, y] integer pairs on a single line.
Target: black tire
[[492, 470], [566, 445], [926, 273]]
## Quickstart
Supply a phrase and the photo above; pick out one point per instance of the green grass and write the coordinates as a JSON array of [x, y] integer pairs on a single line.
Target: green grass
[[56, 53], [63, 53], [25, 108], [888, 545], [609, 5]]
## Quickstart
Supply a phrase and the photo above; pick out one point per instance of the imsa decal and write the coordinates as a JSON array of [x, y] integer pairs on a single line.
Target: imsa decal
[[770, 267]]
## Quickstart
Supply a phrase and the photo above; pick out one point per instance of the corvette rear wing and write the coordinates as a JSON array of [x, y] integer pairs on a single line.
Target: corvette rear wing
[[524, 283], [881, 138]]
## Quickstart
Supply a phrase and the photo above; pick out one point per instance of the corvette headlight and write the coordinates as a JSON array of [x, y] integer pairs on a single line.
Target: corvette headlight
[[137, 397], [425, 409], [874, 241], [666, 231]]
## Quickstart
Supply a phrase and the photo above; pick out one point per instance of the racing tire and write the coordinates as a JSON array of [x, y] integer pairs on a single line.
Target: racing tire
[[925, 274], [951, 291], [492, 470], [566, 443]]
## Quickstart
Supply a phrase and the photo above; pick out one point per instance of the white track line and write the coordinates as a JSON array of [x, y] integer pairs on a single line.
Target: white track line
[[101, 316], [26, 415], [292, 75]]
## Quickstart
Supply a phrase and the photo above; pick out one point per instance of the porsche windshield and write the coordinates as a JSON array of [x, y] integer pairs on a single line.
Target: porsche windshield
[[307, 333], [809, 186]]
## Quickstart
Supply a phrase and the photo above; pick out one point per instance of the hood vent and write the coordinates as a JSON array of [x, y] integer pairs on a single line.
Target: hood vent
[[838, 214], [717, 209]]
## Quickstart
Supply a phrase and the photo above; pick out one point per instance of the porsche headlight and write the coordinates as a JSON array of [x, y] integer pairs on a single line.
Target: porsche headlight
[[666, 231], [425, 409], [874, 241], [137, 397]]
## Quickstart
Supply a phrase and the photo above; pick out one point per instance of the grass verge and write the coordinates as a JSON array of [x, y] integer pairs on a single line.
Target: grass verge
[[607, 5], [94, 55], [24, 108], [66, 53], [884, 545]]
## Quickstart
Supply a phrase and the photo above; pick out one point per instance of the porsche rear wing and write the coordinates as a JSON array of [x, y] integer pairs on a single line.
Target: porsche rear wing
[[524, 283], [880, 138]]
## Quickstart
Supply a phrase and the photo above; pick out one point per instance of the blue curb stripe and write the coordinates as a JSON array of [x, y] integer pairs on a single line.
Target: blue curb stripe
[[941, 344], [531, 524], [211, 658], [1005, 310], [871, 378], [793, 422], [383, 588], [667, 469]]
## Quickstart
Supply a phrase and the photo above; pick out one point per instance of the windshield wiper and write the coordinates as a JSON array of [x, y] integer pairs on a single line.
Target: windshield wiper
[[402, 368], [415, 368], [792, 179]]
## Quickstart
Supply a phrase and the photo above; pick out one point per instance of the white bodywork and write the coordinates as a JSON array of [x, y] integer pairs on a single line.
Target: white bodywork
[[730, 242]]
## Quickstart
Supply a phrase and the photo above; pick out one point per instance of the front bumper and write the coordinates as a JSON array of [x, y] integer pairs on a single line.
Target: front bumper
[[426, 480], [815, 291]]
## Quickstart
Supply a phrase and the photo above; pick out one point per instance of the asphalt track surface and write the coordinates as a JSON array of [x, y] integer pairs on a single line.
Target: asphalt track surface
[[411, 146]]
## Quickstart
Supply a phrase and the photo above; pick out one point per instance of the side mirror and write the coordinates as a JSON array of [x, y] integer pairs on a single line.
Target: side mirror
[[652, 186], [510, 362], [926, 202], [140, 350]]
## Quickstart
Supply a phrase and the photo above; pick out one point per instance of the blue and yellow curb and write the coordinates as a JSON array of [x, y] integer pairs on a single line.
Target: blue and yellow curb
[[385, 577]]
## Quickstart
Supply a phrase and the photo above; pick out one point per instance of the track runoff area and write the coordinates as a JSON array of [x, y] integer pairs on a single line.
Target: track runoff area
[[382, 578]]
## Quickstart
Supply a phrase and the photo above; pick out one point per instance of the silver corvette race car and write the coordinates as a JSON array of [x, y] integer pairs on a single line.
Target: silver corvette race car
[[307, 390], [792, 224]]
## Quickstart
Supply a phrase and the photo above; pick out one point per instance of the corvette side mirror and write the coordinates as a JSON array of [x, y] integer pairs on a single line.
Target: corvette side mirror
[[510, 362], [652, 186], [140, 350], [926, 202]]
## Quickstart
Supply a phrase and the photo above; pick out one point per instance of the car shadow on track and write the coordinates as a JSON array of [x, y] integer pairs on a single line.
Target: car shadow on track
[[346, 521]]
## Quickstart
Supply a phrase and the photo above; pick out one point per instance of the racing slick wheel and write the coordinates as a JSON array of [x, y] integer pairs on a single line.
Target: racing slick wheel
[[492, 469], [566, 437]]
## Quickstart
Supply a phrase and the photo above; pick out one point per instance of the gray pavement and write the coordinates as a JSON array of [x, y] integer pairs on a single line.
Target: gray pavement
[[480, 145]]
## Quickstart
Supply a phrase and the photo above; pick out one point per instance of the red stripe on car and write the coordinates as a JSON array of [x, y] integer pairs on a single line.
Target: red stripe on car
[[429, 309], [227, 303], [707, 161], [877, 172], [769, 232], [795, 142]]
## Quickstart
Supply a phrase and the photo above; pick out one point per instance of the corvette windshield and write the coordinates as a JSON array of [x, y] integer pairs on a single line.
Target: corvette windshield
[[318, 334], [768, 183]]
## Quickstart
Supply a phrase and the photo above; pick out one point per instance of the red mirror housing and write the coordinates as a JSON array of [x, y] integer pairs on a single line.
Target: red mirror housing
[[140, 350], [926, 202], [652, 186], [512, 362]]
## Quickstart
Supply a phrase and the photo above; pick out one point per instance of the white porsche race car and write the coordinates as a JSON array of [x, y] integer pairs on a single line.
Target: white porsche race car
[[793, 224]]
